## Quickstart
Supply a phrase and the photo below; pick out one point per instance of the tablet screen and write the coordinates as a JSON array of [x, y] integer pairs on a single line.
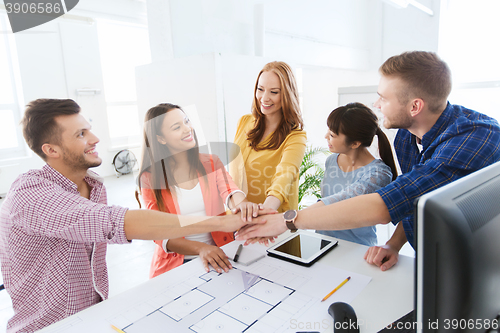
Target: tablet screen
[[303, 246]]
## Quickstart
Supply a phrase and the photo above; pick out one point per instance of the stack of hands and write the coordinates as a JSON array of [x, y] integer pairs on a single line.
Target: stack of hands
[[246, 219], [255, 217], [255, 223]]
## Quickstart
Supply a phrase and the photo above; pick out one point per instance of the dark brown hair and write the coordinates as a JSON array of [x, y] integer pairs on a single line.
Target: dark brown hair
[[426, 76], [39, 124], [358, 123], [291, 119], [156, 158]]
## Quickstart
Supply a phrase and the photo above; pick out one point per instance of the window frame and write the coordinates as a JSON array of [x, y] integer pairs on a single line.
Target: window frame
[[129, 141], [15, 81]]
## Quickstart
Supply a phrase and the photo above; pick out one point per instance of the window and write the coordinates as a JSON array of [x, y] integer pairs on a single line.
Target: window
[[469, 32], [11, 141], [122, 47], [481, 97]]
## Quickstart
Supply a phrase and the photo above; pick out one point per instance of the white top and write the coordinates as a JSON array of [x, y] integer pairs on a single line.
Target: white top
[[191, 203], [420, 147]]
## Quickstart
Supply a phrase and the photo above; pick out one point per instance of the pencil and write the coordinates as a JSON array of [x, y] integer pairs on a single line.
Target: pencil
[[334, 290], [117, 329]]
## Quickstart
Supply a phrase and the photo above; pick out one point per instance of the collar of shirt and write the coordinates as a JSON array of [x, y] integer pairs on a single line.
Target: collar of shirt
[[91, 178]]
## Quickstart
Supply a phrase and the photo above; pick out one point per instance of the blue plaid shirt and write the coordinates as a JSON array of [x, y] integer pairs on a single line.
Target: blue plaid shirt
[[460, 142]]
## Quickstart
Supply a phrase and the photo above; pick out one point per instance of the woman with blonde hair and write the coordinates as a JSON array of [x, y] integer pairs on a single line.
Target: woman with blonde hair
[[271, 140]]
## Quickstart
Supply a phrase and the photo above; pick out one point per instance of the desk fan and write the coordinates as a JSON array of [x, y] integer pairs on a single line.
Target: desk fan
[[124, 162]]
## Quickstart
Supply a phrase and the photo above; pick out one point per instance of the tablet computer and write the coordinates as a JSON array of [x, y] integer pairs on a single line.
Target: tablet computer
[[303, 248]]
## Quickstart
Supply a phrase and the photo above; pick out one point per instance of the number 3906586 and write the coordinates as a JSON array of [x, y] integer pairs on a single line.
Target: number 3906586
[[33, 8]]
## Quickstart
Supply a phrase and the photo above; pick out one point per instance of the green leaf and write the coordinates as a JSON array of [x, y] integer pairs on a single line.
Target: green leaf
[[310, 174]]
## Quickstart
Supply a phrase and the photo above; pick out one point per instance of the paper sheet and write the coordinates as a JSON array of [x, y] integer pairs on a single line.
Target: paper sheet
[[285, 298]]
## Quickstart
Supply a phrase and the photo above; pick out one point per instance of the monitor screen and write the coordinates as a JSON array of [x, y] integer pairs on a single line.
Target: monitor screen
[[457, 267]]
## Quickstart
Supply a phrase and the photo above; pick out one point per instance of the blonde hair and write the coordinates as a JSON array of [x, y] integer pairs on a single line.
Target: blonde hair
[[425, 75]]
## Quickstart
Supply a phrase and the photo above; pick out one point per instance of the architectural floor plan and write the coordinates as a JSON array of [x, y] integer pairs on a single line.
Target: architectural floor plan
[[270, 295], [225, 302]]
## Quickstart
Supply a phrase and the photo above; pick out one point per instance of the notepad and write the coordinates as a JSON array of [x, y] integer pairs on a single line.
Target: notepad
[[249, 254]]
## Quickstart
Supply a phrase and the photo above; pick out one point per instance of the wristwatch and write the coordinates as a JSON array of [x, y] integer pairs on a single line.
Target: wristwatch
[[290, 216]]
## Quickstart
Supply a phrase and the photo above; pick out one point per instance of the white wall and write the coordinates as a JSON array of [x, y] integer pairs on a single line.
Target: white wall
[[354, 34], [320, 96], [187, 81], [409, 29]]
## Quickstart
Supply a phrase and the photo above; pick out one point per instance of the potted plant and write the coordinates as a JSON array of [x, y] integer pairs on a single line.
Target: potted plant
[[310, 174]]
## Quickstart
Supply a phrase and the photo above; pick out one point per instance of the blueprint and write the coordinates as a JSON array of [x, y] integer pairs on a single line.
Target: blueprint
[[213, 302], [270, 295]]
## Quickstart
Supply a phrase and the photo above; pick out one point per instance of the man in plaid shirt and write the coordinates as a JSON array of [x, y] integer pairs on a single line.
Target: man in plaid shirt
[[436, 144], [55, 223]]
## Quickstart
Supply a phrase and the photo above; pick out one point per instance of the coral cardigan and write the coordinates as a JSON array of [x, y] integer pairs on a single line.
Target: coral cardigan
[[220, 185]]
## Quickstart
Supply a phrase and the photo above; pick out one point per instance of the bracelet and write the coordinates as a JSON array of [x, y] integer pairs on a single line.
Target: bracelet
[[231, 194]]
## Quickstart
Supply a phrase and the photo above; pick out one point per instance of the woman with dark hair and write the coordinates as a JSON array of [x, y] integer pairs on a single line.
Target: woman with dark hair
[[352, 170], [175, 178], [271, 140]]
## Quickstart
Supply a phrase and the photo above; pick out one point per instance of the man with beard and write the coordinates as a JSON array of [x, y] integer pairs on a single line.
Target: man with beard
[[436, 143], [55, 223]]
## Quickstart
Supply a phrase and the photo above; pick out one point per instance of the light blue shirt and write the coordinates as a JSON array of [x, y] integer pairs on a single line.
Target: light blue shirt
[[338, 185]]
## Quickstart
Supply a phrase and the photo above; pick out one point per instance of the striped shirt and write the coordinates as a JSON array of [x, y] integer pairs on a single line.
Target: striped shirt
[[460, 142], [53, 247]]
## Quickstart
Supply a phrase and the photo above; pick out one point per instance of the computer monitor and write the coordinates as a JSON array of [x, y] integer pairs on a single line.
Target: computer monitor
[[457, 267]]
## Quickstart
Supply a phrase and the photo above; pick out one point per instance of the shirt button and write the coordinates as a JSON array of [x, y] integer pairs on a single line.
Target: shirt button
[[225, 238], [175, 254]]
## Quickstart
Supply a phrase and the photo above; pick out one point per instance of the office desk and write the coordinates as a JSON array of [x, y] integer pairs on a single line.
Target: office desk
[[388, 296]]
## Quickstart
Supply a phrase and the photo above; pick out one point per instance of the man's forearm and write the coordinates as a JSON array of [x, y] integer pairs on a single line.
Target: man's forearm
[[398, 238], [150, 225], [361, 211]]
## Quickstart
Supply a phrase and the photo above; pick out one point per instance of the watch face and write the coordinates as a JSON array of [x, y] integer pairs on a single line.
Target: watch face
[[290, 215]]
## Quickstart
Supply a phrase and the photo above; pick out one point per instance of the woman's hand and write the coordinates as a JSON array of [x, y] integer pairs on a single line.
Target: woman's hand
[[261, 240], [248, 210], [213, 255]]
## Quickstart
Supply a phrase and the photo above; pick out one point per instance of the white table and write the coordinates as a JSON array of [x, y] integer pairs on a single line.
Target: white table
[[389, 295], [386, 298]]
